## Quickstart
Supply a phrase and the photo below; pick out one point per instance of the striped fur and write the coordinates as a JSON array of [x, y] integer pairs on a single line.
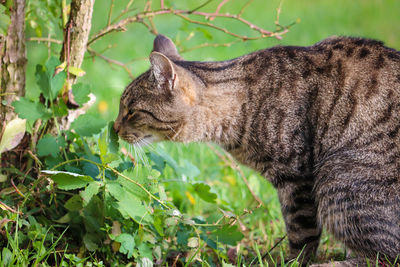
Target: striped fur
[[321, 123]]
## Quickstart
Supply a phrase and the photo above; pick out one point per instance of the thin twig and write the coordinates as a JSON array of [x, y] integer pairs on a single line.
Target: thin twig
[[110, 13], [244, 7], [274, 246], [210, 25], [176, 260], [44, 39], [121, 25], [16, 188], [9, 208], [219, 8], [269, 251], [200, 6], [185, 50], [124, 12], [112, 61], [278, 12]]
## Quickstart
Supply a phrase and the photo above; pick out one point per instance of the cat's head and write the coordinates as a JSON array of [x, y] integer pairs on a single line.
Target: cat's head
[[157, 105]]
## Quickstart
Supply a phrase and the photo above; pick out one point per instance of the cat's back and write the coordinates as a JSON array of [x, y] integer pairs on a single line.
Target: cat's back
[[357, 106]]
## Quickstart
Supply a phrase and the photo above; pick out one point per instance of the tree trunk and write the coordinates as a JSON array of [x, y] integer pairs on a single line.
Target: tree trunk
[[13, 61], [76, 35]]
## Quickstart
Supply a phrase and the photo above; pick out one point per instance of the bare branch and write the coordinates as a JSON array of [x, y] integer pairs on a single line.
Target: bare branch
[[45, 40], [200, 6], [219, 8], [124, 12], [121, 25], [210, 25], [110, 13], [244, 7], [112, 61], [209, 45]]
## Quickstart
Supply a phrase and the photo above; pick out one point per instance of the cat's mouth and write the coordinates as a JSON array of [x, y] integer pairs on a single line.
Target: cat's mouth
[[139, 140]]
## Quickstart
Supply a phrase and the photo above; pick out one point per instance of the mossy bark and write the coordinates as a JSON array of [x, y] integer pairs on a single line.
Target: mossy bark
[[13, 61], [77, 34]]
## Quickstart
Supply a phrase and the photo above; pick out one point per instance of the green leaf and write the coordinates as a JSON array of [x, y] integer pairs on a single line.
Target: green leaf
[[68, 180], [88, 125], [74, 203], [228, 235], [56, 83], [102, 143], [159, 225], [60, 109], [90, 169], [205, 32], [144, 262], [42, 80], [47, 146], [128, 204], [64, 219], [224, 264], [81, 93], [113, 144], [203, 190], [126, 165], [189, 169], [182, 237], [13, 134], [90, 241], [127, 244], [140, 175], [135, 210], [50, 83], [91, 190], [30, 110], [158, 161], [76, 71], [193, 242], [7, 256], [145, 251], [4, 21], [108, 158]]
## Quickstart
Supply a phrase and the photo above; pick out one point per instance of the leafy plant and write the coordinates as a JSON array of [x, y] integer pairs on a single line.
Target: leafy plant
[[100, 196]]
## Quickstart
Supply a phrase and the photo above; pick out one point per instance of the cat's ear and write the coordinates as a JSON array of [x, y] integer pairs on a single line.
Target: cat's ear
[[163, 70], [165, 46]]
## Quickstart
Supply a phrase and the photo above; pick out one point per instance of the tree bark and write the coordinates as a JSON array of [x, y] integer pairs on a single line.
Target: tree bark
[[13, 61], [77, 34]]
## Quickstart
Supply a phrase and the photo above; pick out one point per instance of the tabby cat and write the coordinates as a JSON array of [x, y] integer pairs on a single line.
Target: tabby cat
[[321, 123]]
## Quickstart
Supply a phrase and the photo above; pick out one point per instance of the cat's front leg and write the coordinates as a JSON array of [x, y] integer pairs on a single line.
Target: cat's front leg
[[300, 214]]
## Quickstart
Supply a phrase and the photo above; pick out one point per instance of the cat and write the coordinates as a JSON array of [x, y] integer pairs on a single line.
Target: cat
[[321, 123]]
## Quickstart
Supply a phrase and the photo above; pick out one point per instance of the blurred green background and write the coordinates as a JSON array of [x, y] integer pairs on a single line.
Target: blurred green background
[[317, 19]]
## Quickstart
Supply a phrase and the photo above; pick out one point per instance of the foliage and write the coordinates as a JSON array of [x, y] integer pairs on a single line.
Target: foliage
[[4, 20]]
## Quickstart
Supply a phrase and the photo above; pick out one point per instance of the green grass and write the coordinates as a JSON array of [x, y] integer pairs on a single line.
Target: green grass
[[263, 226]]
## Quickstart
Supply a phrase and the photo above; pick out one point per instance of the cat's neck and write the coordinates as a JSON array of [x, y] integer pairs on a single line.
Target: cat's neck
[[219, 107]]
